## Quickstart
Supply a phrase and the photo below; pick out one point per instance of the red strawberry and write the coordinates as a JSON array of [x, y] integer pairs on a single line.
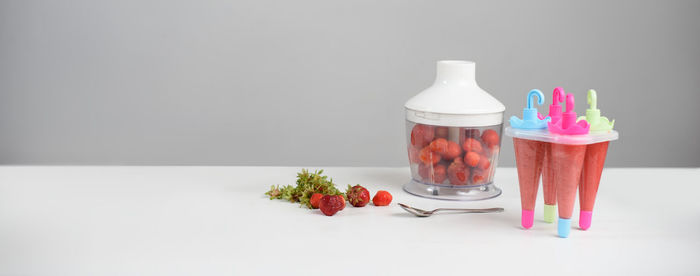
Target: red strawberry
[[439, 146], [382, 198], [479, 176], [315, 200], [471, 144], [421, 135], [428, 157], [331, 204], [441, 132], [439, 173], [357, 195], [343, 200], [453, 151], [484, 163], [472, 159], [490, 138], [493, 151], [413, 154], [458, 173]]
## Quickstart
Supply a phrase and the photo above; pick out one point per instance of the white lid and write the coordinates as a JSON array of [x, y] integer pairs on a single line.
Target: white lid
[[455, 99]]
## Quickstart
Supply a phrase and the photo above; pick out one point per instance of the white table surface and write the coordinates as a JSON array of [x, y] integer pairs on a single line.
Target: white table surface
[[216, 221]]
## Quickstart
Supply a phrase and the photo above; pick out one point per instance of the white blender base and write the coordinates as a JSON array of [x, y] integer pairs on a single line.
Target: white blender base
[[452, 192]]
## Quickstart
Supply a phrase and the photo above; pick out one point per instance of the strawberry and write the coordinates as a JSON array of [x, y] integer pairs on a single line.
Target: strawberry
[[343, 200], [484, 163], [458, 173], [479, 176], [421, 135], [382, 198], [441, 132], [315, 200], [432, 173], [472, 159], [494, 150], [471, 144], [357, 195], [439, 173], [490, 138], [453, 151], [428, 157], [331, 204], [439, 146]]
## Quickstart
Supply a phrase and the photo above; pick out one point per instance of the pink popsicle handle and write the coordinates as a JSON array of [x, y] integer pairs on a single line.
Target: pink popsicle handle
[[527, 219], [584, 219]]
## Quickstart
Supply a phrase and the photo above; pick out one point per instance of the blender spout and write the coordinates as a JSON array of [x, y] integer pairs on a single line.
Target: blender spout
[[456, 72]]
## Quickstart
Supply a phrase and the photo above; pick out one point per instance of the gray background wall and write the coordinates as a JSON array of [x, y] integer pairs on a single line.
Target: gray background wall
[[322, 83]]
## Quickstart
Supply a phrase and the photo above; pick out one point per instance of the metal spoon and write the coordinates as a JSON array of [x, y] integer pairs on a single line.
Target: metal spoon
[[424, 213]]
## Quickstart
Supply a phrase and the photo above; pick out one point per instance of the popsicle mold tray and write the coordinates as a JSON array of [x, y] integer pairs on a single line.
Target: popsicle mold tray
[[544, 135], [456, 163]]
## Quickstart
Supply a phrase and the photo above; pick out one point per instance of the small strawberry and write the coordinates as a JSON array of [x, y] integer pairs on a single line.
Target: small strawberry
[[439, 173], [453, 151], [428, 157], [421, 135], [493, 151], [472, 159], [458, 173], [382, 198], [357, 195], [343, 200], [490, 138], [315, 200], [331, 204], [441, 132], [479, 176], [471, 144], [439, 146], [484, 163]]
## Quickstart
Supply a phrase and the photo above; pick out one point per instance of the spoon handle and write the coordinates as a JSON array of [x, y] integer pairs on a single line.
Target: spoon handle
[[487, 210]]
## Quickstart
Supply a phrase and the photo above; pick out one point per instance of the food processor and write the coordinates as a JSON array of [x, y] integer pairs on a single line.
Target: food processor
[[453, 134]]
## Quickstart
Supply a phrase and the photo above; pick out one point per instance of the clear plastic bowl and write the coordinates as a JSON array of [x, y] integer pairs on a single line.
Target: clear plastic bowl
[[453, 163]]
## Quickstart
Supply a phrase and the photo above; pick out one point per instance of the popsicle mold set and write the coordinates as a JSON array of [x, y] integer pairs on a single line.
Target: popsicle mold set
[[566, 151]]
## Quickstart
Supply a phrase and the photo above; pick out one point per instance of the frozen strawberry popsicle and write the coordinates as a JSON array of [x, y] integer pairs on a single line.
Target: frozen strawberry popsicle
[[529, 156], [594, 161], [548, 188], [566, 161]]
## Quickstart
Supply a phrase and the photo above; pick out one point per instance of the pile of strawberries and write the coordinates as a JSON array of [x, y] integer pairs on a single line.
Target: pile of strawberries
[[442, 161], [357, 195]]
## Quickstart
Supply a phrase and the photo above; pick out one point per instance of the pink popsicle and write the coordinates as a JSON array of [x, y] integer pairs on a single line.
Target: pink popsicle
[[529, 155]]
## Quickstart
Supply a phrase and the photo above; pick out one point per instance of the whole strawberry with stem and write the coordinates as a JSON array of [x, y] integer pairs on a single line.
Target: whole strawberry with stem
[[357, 195]]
